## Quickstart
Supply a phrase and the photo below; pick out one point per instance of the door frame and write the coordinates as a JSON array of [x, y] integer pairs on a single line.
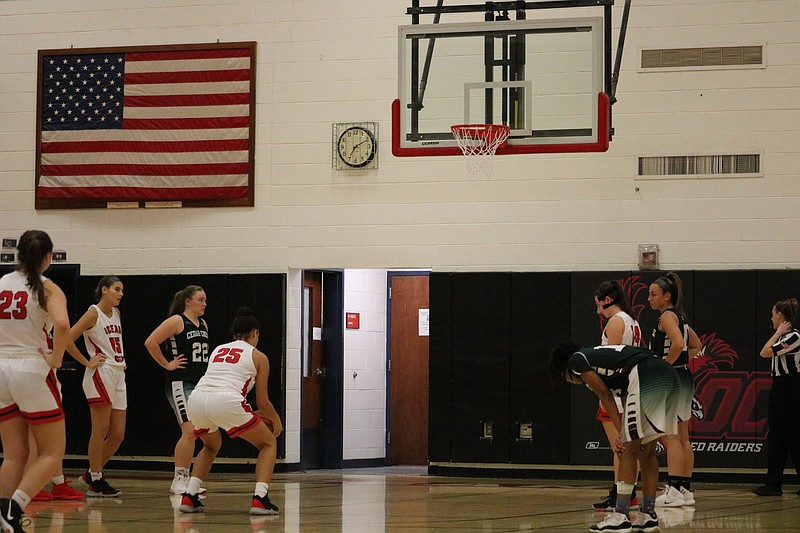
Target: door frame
[[389, 275]]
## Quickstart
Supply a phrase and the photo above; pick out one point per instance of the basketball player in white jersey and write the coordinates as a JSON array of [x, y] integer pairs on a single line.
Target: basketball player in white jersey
[[103, 380], [30, 305], [219, 401], [621, 328]]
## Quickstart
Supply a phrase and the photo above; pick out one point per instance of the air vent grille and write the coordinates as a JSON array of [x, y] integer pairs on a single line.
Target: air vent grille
[[701, 165], [721, 56]]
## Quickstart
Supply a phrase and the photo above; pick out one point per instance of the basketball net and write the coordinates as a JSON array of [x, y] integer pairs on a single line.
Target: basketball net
[[479, 143]]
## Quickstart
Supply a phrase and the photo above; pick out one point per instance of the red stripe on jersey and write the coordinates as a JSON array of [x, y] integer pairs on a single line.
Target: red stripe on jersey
[[7, 413], [101, 389], [235, 432]]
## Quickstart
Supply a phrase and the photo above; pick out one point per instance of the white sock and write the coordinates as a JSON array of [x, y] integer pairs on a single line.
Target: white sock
[[21, 498], [96, 476], [58, 480], [262, 489], [194, 485], [181, 471]]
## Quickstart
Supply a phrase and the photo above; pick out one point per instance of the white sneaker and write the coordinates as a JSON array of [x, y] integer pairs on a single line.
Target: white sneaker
[[671, 497], [645, 522], [180, 484], [688, 496], [616, 522]]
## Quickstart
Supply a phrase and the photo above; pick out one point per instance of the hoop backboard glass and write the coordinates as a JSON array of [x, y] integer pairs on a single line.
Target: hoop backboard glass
[[544, 79]]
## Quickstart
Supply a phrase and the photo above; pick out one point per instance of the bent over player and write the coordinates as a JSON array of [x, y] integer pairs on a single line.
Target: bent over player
[[649, 388], [219, 401]]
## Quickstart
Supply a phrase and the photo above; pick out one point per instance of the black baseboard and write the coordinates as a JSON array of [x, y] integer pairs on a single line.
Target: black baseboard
[[365, 463], [561, 472]]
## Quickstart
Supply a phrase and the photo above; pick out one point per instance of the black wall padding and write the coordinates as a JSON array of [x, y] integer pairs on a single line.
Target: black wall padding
[[151, 426], [727, 320], [533, 396], [480, 366], [439, 367], [491, 334]]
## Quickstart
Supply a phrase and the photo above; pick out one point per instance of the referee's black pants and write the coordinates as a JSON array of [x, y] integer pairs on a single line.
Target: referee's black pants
[[783, 439]]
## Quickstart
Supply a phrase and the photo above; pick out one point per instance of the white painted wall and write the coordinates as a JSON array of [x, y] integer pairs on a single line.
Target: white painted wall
[[365, 365], [321, 62]]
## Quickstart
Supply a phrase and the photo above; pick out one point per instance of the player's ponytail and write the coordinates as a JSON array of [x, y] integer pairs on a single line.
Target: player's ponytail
[[178, 305], [33, 247], [672, 284], [788, 308], [244, 323], [105, 282], [614, 290]]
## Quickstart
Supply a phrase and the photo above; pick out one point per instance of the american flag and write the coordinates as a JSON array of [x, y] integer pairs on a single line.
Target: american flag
[[154, 124]]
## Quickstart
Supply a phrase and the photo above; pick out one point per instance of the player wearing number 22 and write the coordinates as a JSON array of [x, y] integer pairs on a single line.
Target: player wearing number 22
[[184, 336], [219, 401]]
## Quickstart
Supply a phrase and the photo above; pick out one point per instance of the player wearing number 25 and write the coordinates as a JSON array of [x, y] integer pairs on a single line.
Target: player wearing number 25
[[219, 401], [103, 380], [184, 336], [30, 305]]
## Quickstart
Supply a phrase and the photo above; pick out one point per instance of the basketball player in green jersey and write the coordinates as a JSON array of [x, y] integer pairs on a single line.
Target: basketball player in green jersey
[[184, 336], [649, 387]]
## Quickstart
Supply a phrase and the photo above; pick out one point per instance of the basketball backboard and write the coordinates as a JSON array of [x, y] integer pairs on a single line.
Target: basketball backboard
[[545, 79]]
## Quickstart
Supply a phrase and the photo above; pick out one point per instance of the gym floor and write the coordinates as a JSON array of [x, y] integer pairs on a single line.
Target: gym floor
[[395, 499]]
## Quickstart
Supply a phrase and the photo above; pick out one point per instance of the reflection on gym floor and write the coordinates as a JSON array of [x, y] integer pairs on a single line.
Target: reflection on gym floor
[[406, 499]]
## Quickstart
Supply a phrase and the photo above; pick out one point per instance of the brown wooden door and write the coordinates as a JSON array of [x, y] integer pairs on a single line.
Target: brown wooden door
[[408, 385], [313, 373]]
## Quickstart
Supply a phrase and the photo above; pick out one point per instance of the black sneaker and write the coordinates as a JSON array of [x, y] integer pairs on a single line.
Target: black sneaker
[[101, 489], [767, 490], [609, 503], [190, 503], [262, 506], [10, 516]]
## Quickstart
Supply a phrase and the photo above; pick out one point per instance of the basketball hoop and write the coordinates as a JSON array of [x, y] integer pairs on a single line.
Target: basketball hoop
[[479, 143]]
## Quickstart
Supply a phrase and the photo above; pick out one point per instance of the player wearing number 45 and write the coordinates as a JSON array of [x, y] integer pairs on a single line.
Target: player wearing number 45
[[184, 336], [103, 381], [219, 401]]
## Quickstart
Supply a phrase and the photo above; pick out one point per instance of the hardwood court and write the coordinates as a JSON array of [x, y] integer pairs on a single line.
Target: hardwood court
[[396, 499]]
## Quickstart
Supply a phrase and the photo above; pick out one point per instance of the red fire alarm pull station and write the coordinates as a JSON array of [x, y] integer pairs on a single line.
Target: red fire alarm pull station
[[353, 320]]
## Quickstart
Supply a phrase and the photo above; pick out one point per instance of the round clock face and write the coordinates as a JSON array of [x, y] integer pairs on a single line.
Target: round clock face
[[356, 146]]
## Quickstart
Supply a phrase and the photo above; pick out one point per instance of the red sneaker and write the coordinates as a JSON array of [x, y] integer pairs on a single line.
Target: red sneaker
[[65, 492], [42, 496]]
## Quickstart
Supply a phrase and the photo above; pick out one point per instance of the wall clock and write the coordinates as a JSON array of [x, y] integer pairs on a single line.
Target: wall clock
[[355, 145]]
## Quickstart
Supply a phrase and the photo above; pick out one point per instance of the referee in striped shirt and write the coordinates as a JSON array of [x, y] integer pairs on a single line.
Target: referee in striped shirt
[[784, 397]]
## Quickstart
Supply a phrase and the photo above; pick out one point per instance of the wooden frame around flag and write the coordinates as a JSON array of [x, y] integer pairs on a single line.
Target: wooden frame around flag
[[146, 126]]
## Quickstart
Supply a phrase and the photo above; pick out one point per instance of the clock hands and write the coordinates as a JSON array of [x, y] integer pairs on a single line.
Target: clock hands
[[357, 145]]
